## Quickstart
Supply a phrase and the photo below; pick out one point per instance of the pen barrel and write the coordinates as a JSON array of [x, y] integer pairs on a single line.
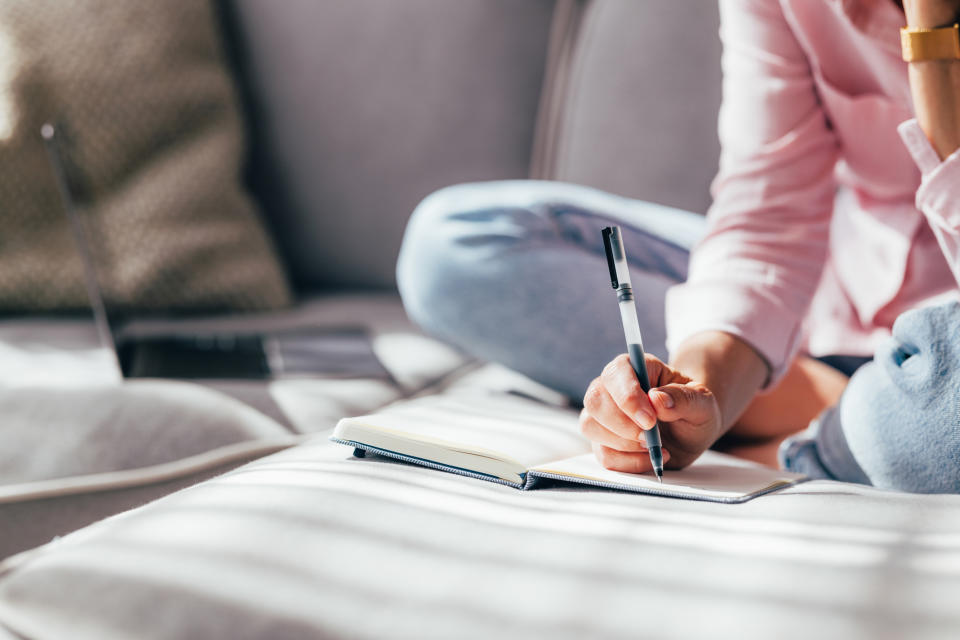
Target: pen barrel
[[652, 439], [628, 316], [620, 276], [639, 364], [631, 329], [651, 436]]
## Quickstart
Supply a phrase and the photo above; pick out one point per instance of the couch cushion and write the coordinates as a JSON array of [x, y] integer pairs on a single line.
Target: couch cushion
[[79, 446], [152, 145], [310, 542], [307, 404], [633, 99], [362, 108], [59, 353], [110, 443], [51, 434]]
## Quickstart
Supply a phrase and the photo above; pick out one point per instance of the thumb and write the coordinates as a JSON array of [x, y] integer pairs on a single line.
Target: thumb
[[690, 402]]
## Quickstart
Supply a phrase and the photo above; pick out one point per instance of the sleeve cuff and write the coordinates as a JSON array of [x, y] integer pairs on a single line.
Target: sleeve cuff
[[919, 146], [939, 194], [746, 312]]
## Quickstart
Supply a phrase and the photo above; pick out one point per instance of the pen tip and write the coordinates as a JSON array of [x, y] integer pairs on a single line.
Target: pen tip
[[660, 476]]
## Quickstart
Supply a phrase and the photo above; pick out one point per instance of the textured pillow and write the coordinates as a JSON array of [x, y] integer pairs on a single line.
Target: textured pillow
[[153, 133]]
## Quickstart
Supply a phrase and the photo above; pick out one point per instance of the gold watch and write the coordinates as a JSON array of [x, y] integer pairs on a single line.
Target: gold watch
[[942, 43]]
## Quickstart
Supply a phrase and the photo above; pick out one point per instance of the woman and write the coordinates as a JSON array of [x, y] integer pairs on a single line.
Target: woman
[[836, 213]]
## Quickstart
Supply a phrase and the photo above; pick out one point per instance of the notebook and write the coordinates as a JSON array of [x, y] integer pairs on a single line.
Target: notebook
[[519, 443]]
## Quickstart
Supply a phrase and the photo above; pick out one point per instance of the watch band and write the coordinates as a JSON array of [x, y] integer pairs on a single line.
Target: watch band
[[930, 44]]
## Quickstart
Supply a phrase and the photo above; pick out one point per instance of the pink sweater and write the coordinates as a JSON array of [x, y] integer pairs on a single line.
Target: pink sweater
[[832, 213]]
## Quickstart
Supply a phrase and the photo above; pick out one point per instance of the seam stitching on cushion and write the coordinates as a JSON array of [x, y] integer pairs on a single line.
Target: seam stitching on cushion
[[586, 32], [127, 478], [562, 41]]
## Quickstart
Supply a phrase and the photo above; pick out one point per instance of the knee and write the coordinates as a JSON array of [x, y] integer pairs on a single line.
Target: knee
[[901, 413], [449, 247], [425, 249], [923, 355], [459, 241]]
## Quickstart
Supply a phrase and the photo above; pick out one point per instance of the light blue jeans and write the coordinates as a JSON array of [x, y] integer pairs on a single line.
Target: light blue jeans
[[514, 272]]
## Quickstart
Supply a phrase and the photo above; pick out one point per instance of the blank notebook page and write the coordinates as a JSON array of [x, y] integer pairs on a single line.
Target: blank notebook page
[[530, 434], [714, 475]]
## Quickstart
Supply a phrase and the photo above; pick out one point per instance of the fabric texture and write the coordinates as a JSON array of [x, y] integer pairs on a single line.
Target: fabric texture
[[311, 542], [514, 272], [822, 451], [32, 515], [56, 433], [79, 446], [610, 121], [898, 421], [821, 233], [488, 266], [153, 147], [362, 108], [135, 439]]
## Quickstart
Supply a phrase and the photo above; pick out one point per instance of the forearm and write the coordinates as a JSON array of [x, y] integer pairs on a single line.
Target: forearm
[[935, 84], [730, 368]]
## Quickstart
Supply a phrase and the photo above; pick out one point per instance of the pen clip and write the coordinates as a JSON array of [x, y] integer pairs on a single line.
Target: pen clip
[[608, 248]]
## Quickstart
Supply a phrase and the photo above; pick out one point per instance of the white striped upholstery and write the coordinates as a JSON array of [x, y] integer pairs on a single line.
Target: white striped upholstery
[[310, 542], [75, 446]]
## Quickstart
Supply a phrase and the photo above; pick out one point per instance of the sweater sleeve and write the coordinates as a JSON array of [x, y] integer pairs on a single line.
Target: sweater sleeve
[[755, 272]]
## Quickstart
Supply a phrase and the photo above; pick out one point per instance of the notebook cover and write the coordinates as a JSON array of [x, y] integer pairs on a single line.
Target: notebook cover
[[432, 464], [532, 478]]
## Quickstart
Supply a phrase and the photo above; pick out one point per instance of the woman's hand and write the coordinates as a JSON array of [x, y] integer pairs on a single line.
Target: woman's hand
[[617, 412]]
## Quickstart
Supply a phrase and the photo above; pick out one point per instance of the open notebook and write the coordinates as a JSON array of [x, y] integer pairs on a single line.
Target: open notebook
[[512, 441]]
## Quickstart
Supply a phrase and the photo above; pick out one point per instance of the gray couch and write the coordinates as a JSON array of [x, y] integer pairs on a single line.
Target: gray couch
[[358, 109], [361, 109]]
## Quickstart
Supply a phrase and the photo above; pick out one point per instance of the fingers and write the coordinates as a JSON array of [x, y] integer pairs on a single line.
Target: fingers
[[620, 382], [618, 414], [688, 402], [599, 404], [628, 462], [599, 434]]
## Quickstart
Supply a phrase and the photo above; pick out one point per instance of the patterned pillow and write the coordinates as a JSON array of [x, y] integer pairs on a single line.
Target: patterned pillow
[[154, 135]]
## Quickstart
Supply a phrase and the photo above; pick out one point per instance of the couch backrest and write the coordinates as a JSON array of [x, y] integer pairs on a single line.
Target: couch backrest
[[361, 108], [635, 109]]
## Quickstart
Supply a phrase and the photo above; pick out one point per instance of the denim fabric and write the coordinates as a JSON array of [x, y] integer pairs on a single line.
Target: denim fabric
[[514, 272], [821, 451], [899, 418]]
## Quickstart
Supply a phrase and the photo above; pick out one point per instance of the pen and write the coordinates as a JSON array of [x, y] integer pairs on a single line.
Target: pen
[[620, 277]]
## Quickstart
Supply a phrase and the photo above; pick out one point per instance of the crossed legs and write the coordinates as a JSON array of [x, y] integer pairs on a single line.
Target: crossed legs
[[514, 272]]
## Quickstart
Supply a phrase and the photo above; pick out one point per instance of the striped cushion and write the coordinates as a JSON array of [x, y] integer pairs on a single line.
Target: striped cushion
[[76, 447], [311, 542]]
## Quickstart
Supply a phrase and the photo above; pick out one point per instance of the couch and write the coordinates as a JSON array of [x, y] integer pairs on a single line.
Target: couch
[[171, 509]]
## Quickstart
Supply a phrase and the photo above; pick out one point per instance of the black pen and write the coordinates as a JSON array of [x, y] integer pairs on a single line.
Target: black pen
[[620, 277]]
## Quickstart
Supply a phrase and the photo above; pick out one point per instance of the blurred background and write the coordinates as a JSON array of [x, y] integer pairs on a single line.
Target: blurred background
[[238, 154], [244, 170]]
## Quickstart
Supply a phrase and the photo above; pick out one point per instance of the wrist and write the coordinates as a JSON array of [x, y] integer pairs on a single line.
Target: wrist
[[931, 14], [729, 367]]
